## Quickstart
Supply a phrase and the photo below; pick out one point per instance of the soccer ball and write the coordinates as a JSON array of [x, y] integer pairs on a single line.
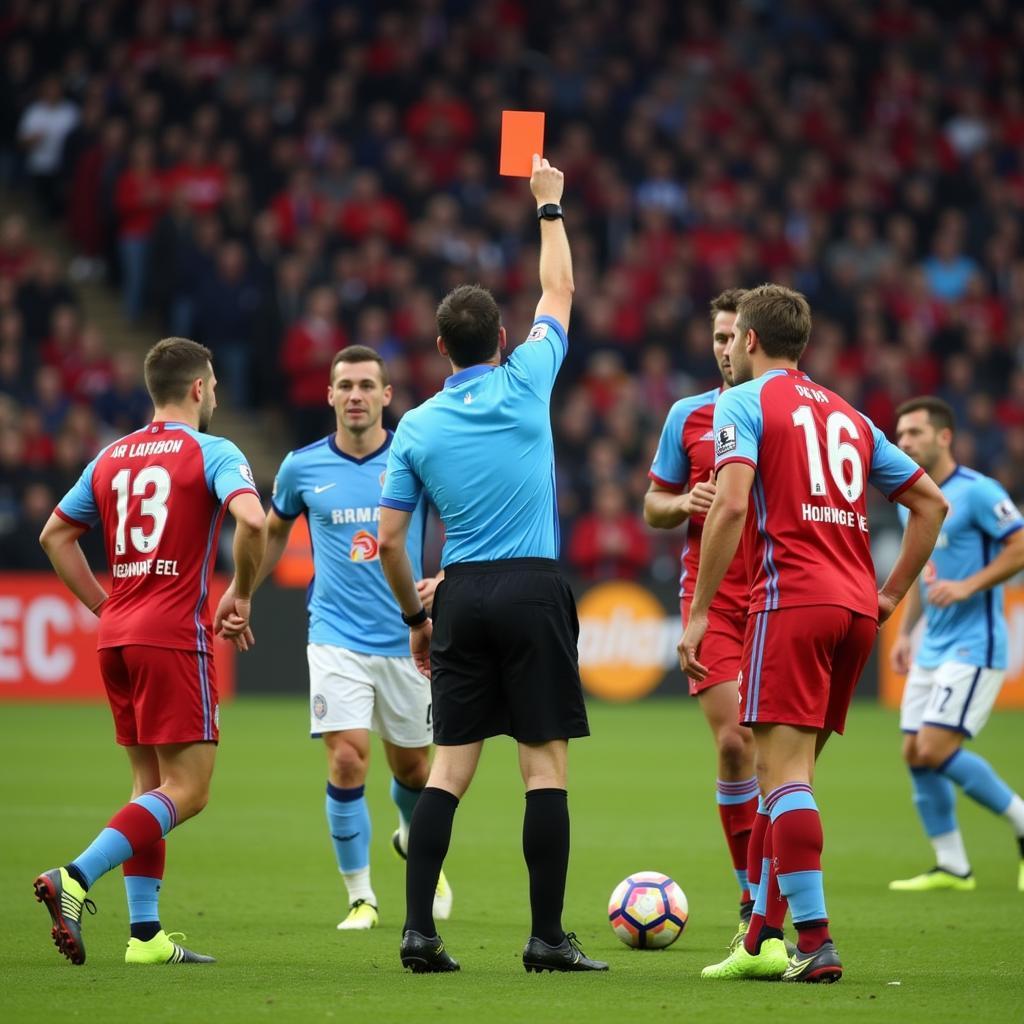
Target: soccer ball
[[648, 910]]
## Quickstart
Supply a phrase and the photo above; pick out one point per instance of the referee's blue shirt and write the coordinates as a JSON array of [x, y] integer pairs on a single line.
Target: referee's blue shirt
[[481, 450]]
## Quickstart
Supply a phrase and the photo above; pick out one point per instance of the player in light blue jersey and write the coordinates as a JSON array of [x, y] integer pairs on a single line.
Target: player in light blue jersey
[[959, 667], [361, 675]]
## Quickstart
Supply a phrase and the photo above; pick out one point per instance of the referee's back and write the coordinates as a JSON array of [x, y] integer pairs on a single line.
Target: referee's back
[[482, 451]]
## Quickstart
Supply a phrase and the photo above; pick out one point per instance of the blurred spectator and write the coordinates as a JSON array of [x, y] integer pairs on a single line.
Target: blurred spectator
[[44, 126], [309, 347], [20, 548], [610, 542], [140, 199]]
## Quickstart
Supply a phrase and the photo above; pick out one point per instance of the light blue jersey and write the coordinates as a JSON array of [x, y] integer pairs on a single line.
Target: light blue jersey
[[350, 603], [981, 516], [481, 450]]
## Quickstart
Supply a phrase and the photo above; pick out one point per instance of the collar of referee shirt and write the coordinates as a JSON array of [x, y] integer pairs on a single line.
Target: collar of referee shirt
[[468, 374]]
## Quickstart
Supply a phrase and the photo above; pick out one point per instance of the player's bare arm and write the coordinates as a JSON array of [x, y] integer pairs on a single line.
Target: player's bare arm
[[249, 545], [1007, 563], [556, 282], [59, 540], [927, 508], [721, 537], [899, 656], [394, 560], [665, 509], [278, 530]]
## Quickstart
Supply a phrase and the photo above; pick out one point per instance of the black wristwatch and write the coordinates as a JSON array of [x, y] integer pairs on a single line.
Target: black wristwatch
[[549, 211], [415, 620]]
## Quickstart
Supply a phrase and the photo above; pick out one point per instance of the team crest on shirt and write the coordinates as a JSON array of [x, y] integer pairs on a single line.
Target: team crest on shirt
[[319, 706], [246, 473], [725, 439], [364, 547]]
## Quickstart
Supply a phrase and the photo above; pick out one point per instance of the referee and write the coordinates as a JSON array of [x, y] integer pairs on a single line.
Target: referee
[[501, 652]]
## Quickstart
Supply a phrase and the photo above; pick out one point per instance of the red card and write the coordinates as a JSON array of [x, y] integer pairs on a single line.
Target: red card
[[522, 135]]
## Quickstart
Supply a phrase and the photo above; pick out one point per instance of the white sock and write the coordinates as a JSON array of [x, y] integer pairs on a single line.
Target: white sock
[[950, 853], [403, 834], [358, 885], [1015, 812]]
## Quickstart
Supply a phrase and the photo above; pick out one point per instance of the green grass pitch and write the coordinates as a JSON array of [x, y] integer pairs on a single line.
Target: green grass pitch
[[252, 881]]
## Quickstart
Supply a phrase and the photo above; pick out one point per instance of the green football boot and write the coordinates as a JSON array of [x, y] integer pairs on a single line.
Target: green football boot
[[163, 949], [937, 878], [65, 899], [768, 965]]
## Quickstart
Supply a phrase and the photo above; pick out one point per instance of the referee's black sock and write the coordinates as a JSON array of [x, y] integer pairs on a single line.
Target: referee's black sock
[[546, 849], [430, 832]]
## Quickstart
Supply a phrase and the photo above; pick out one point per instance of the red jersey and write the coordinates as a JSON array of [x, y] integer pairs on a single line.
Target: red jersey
[[806, 535], [160, 495], [685, 457]]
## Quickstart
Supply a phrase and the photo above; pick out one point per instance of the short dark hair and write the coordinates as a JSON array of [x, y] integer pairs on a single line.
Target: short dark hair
[[780, 316], [172, 365], [468, 322], [726, 302], [940, 413], [361, 354]]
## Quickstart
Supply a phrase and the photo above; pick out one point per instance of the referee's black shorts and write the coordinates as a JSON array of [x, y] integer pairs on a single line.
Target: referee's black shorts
[[503, 656]]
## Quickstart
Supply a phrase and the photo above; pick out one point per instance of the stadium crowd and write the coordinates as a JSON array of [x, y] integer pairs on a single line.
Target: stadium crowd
[[278, 179]]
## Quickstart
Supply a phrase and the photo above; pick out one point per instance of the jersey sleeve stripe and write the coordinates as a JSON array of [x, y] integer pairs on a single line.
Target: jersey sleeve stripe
[[61, 514], [283, 515], [234, 494], [736, 458], [557, 328], [909, 482], [668, 485], [401, 506], [1011, 530]]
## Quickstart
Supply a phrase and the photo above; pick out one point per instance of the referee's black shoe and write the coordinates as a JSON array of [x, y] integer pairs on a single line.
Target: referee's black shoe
[[566, 956], [425, 955]]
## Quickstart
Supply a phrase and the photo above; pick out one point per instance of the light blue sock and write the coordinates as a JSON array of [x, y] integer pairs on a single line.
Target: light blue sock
[[761, 897], [977, 778], [405, 799], [113, 845], [143, 898], [348, 818], [935, 800]]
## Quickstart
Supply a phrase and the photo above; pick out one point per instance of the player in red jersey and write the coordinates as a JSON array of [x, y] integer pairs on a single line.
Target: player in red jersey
[[160, 495], [682, 489], [792, 462]]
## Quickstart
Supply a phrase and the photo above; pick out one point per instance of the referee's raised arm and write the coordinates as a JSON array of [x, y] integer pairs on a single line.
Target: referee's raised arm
[[556, 282]]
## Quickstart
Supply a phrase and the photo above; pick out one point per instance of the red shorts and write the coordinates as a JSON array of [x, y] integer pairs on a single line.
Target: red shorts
[[721, 649], [801, 665], [159, 695]]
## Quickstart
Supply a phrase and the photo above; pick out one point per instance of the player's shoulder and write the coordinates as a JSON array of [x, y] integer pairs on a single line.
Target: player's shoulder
[[682, 409], [307, 453]]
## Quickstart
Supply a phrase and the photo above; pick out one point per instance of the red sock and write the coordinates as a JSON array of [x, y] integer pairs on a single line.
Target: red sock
[[137, 825], [147, 863], [737, 821], [776, 905], [755, 857]]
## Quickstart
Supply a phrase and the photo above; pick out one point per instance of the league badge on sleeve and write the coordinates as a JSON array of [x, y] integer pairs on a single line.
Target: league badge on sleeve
[[1006, 512], [725, 440], [246, 473], [538, 333]]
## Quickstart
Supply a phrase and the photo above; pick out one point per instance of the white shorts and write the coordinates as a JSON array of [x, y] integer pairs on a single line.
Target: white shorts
[[348, 690], [953, 696]]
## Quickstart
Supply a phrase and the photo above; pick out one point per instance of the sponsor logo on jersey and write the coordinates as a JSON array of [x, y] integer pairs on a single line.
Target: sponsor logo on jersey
[[320, 488], [364, 547], [725, 440], [246, 474], [319, 705], [539, 331]]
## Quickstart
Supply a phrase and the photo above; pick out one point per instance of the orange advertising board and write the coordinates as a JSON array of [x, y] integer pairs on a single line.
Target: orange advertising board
[[890, 685], [48, 642]]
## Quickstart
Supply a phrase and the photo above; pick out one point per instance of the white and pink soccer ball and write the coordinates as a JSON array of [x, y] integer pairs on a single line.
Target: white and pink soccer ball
[[648, 910]]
